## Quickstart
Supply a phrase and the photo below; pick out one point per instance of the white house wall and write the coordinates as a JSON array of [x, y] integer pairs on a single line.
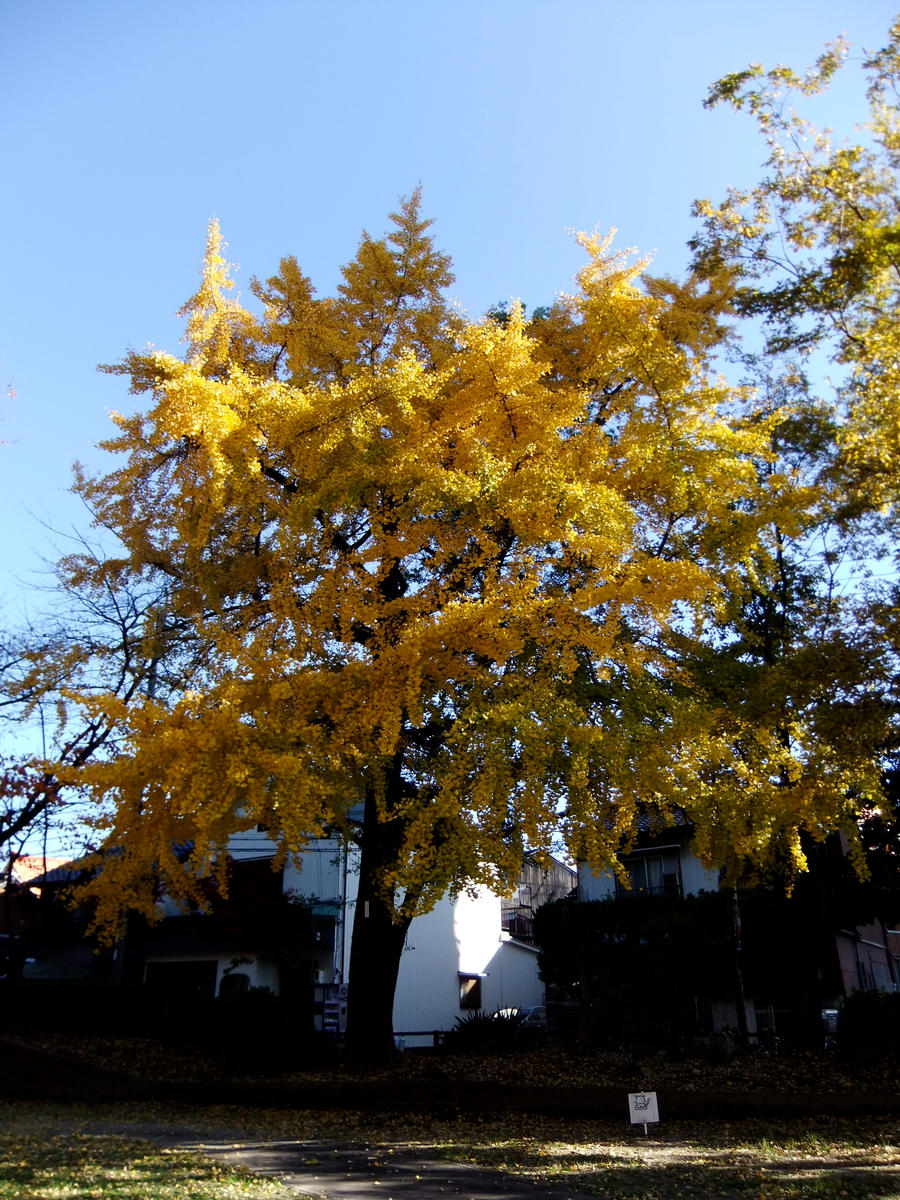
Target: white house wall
[[261, 974], [318, 873], [514, 982], [315, 874], [695, 877], [427, 994], [592, 886], [459, 936], [250, 844], [508, 969]]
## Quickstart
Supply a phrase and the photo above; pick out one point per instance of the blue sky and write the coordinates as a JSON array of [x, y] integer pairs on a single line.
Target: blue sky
[[126, 125]]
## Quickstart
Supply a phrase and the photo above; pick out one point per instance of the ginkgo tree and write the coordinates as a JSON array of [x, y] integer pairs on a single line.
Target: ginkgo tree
[[814, 247], [813, 252], [441, 573]]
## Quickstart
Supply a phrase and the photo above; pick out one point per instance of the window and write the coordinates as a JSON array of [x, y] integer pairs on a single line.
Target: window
[[182, 976], [470, 991], [653, 874]]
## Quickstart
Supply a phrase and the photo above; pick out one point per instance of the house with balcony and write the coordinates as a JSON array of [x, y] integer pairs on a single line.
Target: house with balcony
[[662, 863], [470, 952], [794, 957]]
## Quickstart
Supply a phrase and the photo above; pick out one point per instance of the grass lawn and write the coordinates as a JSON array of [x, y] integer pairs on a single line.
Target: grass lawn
[[813, 1161], [76, 1152], [69, 1152]]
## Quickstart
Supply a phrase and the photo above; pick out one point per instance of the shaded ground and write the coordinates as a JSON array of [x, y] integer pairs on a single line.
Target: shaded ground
[[668, 1166], [371, 1156], [826, 1071], [511, 1083], [356, 1170]]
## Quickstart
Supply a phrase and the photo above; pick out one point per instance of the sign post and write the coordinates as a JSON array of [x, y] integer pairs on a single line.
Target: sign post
[[643, 1108]]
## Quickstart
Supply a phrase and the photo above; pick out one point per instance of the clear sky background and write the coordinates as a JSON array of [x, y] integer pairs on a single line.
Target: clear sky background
[[128, 124]]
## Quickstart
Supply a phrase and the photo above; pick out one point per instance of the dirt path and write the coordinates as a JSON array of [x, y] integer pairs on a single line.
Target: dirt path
[[336, 1170], [360, 1171]]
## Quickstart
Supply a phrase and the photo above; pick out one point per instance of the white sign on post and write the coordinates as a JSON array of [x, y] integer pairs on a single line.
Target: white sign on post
[[643, 1108]]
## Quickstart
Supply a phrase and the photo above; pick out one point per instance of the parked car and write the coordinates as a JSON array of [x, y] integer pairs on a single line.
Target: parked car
[[531, 1023]]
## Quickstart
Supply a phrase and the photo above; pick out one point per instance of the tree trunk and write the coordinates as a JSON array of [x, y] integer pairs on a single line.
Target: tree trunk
[[740, 1000], [376, 946]]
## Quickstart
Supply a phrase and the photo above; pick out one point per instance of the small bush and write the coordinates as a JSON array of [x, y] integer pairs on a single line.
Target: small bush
[[485, 1033], [869, 1022], [257, 1032], [94, 1006], [714, 1048], [251, 1032]]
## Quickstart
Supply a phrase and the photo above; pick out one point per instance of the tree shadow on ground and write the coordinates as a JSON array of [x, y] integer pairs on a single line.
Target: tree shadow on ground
[[867, 1174], [83, 1164]]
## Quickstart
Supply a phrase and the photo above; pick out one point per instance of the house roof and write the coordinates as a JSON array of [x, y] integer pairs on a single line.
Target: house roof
[[650, 822], [29, 867]]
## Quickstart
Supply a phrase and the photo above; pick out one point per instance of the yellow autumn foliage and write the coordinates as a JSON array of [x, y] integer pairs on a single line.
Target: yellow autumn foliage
[[437, 567]]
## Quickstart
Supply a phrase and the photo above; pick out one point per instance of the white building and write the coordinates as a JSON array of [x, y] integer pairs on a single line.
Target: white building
[[471, 952]]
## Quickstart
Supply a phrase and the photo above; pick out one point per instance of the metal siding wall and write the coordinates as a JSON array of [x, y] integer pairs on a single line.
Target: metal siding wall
[[513, 980], [427, 995]]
